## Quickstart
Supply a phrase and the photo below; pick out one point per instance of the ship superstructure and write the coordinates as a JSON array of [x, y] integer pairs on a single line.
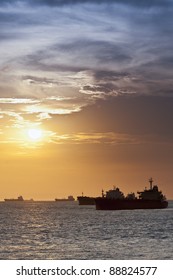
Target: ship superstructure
[[152, 193]]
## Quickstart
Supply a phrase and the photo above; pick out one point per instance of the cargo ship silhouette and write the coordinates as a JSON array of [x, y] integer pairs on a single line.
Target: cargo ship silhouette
[[114, 199], [70, 198], [20, 198]]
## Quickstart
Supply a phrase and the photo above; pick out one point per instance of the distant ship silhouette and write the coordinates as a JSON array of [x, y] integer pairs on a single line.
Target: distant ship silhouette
[[20, 198], [70, 198]]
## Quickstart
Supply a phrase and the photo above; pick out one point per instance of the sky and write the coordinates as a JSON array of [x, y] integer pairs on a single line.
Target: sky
[[86, 97]]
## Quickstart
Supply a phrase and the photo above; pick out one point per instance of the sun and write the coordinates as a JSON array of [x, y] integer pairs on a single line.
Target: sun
[[34, 134]]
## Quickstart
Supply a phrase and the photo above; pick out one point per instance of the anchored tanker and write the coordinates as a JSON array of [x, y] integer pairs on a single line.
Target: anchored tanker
[[114, 199], [20, 198], [70, 198]]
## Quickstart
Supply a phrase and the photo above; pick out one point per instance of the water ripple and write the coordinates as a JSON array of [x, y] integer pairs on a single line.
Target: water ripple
[[53, 230]]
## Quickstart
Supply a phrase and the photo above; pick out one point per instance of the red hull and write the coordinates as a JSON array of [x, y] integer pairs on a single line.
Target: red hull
[[117, 204]]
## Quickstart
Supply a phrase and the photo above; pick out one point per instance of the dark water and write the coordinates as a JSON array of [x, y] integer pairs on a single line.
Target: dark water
[[65, 230]]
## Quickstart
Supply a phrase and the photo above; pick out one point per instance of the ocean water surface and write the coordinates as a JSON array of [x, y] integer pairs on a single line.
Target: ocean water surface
[[65, 230]]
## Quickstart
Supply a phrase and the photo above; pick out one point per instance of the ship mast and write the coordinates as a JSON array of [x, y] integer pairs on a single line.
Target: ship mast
[[151, 183]]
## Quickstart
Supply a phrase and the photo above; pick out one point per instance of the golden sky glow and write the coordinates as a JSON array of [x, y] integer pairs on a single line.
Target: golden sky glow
[[85, 97]]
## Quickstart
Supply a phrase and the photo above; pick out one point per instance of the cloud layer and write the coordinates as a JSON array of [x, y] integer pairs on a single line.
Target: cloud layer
[[59, 59], [142, 3]]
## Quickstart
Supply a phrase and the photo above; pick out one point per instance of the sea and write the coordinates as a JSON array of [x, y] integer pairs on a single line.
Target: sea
[[67, 231]]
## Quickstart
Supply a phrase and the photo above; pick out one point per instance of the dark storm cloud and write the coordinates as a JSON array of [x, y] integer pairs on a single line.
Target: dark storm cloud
[[123, 50], [36, 62], [103, 52], [103, 75], [142, 3], [137, 3], [79, 53], [151, 78]]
